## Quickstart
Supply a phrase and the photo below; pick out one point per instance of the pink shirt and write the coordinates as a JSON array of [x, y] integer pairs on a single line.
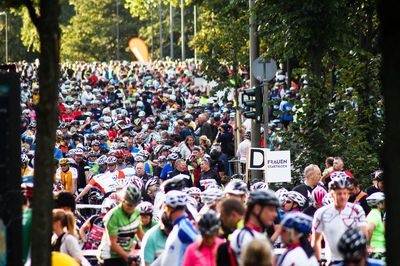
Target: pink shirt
[[205, 256]]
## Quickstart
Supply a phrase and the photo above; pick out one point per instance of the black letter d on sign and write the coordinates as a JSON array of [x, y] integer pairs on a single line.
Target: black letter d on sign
[[256, 158]]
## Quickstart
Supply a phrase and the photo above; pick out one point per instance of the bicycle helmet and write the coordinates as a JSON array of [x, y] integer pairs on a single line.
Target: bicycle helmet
[[71, 161], [173, 157], [137, 182], [145, 154], [176, 198], [63, 161], [375, 174], [281, 194], [139, 158], [236, 188], [129, 159], [375, 198], [297, 197], [175, 183], [352, 243], [339, 180], [162, 159], [95, 196], [120, 183], [263, 197], [24, 158], [209, 223], [214, 154], [193, 190], [317, 194], [132, 195], [327, 199], [111, 160], [92, 154], [152, 182], [145, 208], [298, 221], [102, 160], [212, 194], [119, 153], [108, 204], [259, 185]]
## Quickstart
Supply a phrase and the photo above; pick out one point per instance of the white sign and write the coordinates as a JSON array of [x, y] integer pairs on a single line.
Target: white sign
[[264, 69], [277, 164]]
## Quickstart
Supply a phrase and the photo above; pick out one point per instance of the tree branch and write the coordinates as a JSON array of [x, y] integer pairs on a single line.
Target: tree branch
[[32, 13]]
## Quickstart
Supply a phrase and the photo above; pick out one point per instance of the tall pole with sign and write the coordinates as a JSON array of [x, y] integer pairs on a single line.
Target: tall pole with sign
[[255, 126]]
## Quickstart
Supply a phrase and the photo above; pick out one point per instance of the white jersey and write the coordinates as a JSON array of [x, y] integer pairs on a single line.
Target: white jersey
[[332, 223], [241, 237], [297, 257], [180, 237], [129, 171]]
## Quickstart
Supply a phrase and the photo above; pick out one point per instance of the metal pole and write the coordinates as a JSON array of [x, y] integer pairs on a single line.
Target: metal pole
[[195, 32], [171, 29], [117, 17], [266, 118], [182, 31], [161, 40], [152, 32], [289, 73], [255, 127]]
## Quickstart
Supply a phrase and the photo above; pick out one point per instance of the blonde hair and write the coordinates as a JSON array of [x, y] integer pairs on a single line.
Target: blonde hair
[[257, 253], [67, 219], [206, 141]]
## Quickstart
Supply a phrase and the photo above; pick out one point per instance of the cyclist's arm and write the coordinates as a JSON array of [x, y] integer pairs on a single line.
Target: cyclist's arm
[[87, 176], [316, 243], [140, 234], [73, 186], [117, 248], [82, 230], [84, 192], [371, 227]]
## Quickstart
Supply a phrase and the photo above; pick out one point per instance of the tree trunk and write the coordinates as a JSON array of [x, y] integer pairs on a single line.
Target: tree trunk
[[391, 157], [49, 73]]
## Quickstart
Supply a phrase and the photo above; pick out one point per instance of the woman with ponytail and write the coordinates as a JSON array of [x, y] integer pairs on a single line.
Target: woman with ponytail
[[64, 229]]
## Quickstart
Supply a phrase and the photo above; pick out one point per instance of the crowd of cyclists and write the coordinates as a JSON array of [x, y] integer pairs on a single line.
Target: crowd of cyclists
[[142, 176]]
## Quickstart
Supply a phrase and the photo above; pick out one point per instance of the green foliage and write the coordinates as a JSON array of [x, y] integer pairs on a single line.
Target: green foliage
[[222, 42], [91, 34]]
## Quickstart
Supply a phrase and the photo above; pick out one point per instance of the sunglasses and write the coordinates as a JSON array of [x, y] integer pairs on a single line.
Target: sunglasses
[[288, 201]]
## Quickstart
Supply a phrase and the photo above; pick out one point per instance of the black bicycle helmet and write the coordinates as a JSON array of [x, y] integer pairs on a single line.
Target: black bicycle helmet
[[175, 183], [209, 223], [262, 197], [352, 243], [129, 159]]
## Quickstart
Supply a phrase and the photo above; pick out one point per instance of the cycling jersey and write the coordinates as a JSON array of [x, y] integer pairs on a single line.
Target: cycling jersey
[[180, 237], [96, 227], [106, 182], [243, 236], [295, 255], [117, 223], [153, 242], [129, 171], [333, 224], [378, 236], [200, 254], [66, 178]]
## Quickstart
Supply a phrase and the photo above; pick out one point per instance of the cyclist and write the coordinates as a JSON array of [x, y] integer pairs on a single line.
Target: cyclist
[[317, 194], [121, 224], [231, 213], [203, 251], [260, 214], [376, 228], [295, 228], [183, 233], [332, 220], [295, 201], [352, 245], [95, 225], [146, 215], [236, 189], [67, 176]]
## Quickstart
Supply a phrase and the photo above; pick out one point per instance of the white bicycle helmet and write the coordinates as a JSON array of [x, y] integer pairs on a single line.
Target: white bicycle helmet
[[339, 180], [176, 198], [136, 181], [207, 182], [236, 188], [375, 198], [145, 207], [24, 158], [327, 199], [193, 190], [111, 160], [259, 185], [297, 197], [281, 194], [212, 194], [102, 160]]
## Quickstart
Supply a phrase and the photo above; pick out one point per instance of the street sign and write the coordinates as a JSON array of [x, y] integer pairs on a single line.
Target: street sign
[[277, 164], [264, 69]]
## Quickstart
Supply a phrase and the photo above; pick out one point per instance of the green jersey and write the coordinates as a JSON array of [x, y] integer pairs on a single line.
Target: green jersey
[[117, 223], [378, 236]]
